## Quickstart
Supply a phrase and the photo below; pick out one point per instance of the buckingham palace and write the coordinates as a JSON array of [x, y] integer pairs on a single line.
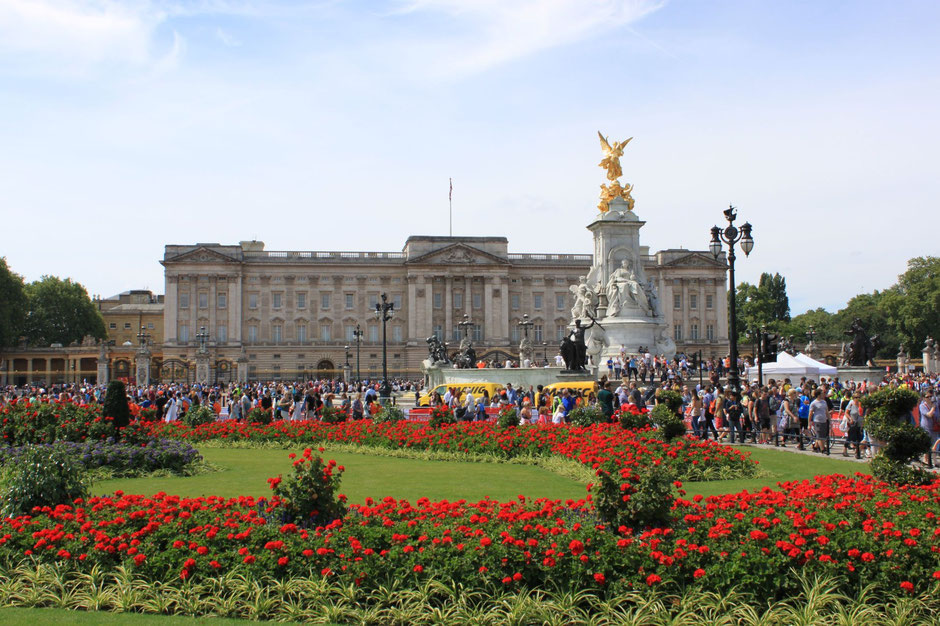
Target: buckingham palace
[[299, 314]]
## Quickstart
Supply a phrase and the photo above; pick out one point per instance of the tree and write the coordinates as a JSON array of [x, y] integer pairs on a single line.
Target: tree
[[60, 311], [115, 404], [12, 305], [870, 309], [913, 305], [765, 304]]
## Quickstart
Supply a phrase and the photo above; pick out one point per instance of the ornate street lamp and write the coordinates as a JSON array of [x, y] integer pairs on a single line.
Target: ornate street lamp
[[143, 337], [358, 333], [384, 311], [202, 337], [545, 352], [731, 235], [465, 325], [525, 324]]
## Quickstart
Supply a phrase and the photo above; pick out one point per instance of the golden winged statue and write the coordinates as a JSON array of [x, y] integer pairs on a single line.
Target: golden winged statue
[[612, 154]]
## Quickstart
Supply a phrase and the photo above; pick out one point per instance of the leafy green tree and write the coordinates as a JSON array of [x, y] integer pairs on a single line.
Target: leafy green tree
[[870, 309], [912, 306], [12, 305], [115, 404], [764, 304], [60, 311]]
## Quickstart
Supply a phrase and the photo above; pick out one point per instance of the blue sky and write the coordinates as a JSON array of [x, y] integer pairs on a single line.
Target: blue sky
[[336, 125]]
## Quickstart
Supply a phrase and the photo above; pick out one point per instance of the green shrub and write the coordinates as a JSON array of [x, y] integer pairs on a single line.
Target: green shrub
[[258, 416], [669, 424], [635, 498], [147, 415], [887, 420], [672, 399], [507, 418], [390, 413], [586, 416], [309, 496], [42, 476], [198, 415], [333, 414], [441, 415], [115, 404]]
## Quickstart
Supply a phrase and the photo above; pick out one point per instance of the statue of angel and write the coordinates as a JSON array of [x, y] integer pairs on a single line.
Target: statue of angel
[[612, 154]]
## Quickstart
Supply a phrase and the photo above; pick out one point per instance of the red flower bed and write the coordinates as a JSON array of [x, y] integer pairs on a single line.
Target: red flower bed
[[863, 530]]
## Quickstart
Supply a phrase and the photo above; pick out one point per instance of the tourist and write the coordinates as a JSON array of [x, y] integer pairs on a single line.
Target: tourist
[[927, 410], [605, 399], [790, 421], [733, 410], [819, 416]]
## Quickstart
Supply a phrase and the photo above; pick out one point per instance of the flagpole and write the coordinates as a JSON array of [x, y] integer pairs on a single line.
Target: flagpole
[[450, 206]]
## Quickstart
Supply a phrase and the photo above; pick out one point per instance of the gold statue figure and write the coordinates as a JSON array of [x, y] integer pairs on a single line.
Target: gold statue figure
[[612, 154], [615, 190]]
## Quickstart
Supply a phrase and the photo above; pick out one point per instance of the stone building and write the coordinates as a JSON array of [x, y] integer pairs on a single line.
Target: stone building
[[292, 314]]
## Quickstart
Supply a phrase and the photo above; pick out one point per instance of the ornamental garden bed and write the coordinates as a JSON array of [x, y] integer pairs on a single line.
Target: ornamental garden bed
[[635, 531]]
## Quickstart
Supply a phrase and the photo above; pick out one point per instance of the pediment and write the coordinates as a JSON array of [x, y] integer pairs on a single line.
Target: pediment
[[201, 255], [695, 259], [458, 254]]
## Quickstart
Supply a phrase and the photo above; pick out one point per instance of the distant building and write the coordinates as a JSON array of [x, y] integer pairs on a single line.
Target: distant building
[[291, 314]]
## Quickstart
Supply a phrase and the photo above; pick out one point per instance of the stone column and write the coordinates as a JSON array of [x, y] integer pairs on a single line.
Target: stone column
[[235, 309], [412, 310], [448, 306], [170, 307], [504, 309], [428, 305], [102, 364], [489, 318]]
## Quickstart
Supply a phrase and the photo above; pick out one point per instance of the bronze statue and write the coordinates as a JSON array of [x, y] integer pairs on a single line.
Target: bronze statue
[[612, 154], [862, 348]]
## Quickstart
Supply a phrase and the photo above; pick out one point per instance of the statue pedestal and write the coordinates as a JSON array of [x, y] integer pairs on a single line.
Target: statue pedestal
[[143, 368], [102, 374], [860, 373], [202, 368]]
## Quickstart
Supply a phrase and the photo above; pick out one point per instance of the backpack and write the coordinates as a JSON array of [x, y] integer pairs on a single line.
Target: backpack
[[775, 405]]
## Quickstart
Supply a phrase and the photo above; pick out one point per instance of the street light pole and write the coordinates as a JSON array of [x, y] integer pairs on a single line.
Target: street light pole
[[731, 235], [384, 311], [358, 335]]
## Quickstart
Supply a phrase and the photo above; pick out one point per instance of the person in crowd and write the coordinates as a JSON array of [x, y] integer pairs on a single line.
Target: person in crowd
[[819, 413]]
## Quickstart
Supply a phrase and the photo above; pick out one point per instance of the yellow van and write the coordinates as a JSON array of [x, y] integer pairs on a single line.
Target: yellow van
[[578, 388], [476, 389]]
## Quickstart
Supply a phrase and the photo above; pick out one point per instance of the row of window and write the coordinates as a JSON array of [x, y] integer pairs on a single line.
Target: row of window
[[127, 326], [277, 333], [277, 300], [693, 332], [693, 301]]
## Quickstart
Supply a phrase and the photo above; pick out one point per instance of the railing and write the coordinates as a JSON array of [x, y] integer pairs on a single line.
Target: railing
[[346, 256], [550, 258]]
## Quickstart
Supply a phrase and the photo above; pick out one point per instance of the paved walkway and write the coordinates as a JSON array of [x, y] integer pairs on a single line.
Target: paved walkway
[[834, 453]]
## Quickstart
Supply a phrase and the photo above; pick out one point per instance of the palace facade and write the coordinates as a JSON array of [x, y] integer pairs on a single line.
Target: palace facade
[[295, 314]]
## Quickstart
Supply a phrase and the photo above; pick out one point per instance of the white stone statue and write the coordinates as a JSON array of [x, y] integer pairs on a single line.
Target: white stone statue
[[585, 300], [623, 289], [664, 344], [653, 297]]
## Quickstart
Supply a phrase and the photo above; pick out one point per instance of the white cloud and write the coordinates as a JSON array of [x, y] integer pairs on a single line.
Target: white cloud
[[497, 31]]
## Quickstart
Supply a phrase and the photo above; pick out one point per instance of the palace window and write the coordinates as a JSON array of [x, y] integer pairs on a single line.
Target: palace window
[[276, 300], [693, 332], [458, 300], [184, 332], [276, 332], [396, 333], [350, 333], [203, 300], [301, 299], [560, 301], [252, 333], [302, 333], [537, 300], [560, 332], [437, 301], [325, 301], [184, 299], [149, 325], [396, 300], [350, 301], [693, 301], [477, 301], [373, 300], [252, 301], [677, 301], [326, 332], [709, 332], [709, 301], [514, 333], [515, 301], [478, 332], [127, 325], [221, 300], [112, 326], [221, 333], [677, 332], [438, 332], [538, 332], [373, 333]]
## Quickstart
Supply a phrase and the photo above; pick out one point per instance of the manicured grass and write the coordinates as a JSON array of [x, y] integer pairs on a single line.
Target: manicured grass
[[246, 472], [65, 616], [781, 466]]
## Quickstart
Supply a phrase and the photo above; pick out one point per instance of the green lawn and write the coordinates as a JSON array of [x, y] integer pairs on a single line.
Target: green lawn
[[246, 472], [781, 466]]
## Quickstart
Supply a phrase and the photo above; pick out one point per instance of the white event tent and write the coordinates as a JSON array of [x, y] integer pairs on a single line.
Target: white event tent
[[787, 366], [825, 369]]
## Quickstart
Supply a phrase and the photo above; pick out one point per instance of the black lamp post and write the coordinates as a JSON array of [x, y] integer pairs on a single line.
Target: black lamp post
[[545, 352], [358, 335], [731, 235], [143, 337], [465, 325], [384, 311], [202, 337]]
